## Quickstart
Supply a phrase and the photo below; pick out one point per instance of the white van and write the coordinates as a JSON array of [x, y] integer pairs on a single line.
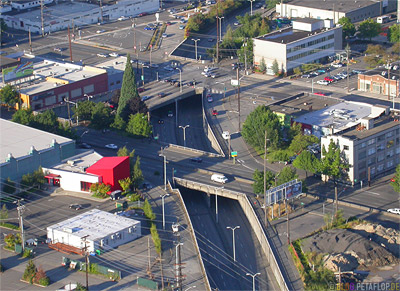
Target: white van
[[219, 178], [382, 19]]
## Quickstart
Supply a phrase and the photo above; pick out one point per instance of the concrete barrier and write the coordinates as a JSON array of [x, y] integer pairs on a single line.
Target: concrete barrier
[[194, 150], [203, 269], [210, 134]]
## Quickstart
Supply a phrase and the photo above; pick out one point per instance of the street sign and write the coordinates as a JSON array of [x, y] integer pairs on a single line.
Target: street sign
[[142, 77], [234, 82], [233, 154]]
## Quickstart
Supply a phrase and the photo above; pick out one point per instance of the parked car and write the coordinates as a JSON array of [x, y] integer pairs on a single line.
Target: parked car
[[306, 76], [322, 82], [59, 49], [102, 55], [122, 18], [161, 94], [140, 90], [209, 98], [113, 55], [111, 146], [320, 93], [116, 195], [164, 35], [168, 68], [182, 27], [196, 160], [337, 65], [168, 23], [85, 146], [160, 121], [170, 114], [146, 186], [214, 112], [148, 28], [236, 23], [154, 66], [100, 31], [142, 14], [329, 79], [210, 39]]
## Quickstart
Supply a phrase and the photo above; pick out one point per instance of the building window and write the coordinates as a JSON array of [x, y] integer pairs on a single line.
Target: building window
[[381, 137], [389, 134], [362, 155], [361, 165], [380, 147], [381, 157], [85, 186], [371, 161], [371, 151], [118, 82], [346, 147], [397, 150], [363, 145], [88, 89], [389, 154], [76, 93], [371, 141], [389, 164], [372, 171], [380, 168]]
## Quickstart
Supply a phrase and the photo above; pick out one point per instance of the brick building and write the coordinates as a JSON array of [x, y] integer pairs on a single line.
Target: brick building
[[377, 80]]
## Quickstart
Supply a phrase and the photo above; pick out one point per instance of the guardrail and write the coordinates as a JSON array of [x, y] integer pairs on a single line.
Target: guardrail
[[210, 129], [203, 269], [259, 230], [195, 150]]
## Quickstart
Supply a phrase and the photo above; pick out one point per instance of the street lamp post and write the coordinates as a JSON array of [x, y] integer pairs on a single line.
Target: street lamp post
[[220, 27], [216, 203], [195, 45], [254, 276], [251, 7], [180, 79], [163, 213], [88, 96], [165, 167], [233, 238], [184, 133], [76, 105]]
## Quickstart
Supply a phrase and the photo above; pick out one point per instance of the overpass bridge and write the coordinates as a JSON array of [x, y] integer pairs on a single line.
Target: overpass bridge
[[284, 271]]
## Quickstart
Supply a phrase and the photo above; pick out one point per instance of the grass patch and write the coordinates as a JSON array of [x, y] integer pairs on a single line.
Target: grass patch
[[9, 225]]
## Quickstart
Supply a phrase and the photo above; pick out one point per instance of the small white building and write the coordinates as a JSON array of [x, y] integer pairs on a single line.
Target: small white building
[[101, 229], [307, 41], [26, 4]]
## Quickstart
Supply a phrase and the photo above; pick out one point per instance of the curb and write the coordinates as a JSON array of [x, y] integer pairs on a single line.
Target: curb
[[79, 196]]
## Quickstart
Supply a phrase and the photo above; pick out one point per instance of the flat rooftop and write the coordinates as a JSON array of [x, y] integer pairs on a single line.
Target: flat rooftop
[[56, 12], [302, 105], [79, 162], [17, 139], [380, 124], [113, 65], [340, 116], [383, 72], [60, 72], [95, 223], [288, 35], [340, 5]]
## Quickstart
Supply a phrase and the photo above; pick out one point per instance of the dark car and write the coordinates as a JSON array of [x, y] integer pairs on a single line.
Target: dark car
[[140, 90], [196, 160], [85, 146], [142, 14], [161, 94], [75, 206], [116, 195], [160, 121]]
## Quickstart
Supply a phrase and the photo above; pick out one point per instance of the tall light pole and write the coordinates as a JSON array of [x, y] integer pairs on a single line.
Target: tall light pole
[[184, 133], [76, 105], [195, 45], [163, 213], [254, 276], [265, 178], [347, 67], [180, 79], [88, 96], [251, 7], [220, 27], [233, 238], [216, 202], [165, 167]]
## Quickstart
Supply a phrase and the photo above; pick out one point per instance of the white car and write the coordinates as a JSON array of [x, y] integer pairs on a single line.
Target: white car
[[111, 146], [122, 18], [337, 65], [144, 98], [322, 82], [113, 55], [226, 135], [394, 210], [101, 31], [102, 55], [164, 35]]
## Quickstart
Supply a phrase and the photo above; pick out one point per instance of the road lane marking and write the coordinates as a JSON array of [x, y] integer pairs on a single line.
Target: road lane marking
[[373, 193]]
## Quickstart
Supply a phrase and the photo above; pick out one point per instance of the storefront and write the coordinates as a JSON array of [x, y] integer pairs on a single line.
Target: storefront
[[53, 179]]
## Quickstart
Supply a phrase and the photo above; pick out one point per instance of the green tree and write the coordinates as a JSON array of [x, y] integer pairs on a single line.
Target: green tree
[[374, 55], [11, 239], [38, 177], [123, 152], [285, 175], [300, 142], [125, 184], [23, 116], [137, 175], [9, 186], [100, 190], [101, 116], [294, 130], [128, 89], [47, 121], [394, 33], [138, 125], [9, 95], [396, 49], [3, 213], [395, 182], [275, 67], [84, 110], [41, 277], [297, 71], [3, 26], [306, 161], [148, 211], [263, 66], [258, 177], [29, 272], [118, 123], [347, 26], [333, 163], [369, 28]]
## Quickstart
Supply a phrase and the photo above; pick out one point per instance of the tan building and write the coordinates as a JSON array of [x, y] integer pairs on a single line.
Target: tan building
[[372, 148], [377, 80]]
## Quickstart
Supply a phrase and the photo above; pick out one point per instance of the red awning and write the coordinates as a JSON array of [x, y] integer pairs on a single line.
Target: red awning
[[51, 176]]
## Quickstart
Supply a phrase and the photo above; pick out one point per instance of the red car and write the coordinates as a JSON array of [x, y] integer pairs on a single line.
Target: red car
[[214, 112], [329, 79], [320, 94], [142, 14], [140, 90], [393, 179]]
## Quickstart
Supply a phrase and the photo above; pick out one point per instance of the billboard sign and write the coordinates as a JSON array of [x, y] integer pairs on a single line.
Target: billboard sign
[[17, 72], [282, 192]]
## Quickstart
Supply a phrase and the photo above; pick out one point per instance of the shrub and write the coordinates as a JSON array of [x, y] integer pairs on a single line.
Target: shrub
[[12, 239], [41, 278], [155, 237], [29, 272]]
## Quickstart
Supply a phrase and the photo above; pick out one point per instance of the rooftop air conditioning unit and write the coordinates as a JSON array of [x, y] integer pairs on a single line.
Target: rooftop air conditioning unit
[[70, 163]]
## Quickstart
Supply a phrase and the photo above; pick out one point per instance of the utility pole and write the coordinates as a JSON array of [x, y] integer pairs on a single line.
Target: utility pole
[[69, 111], [101, 11], [287, 220], [348, 62], [265, 178], [237, 77], [134, 34], [217, 34], [220, 27], [30, 41], [178, 265], [388, 66], [86, 262], [137, 58], [245, 55], [336, 200], [70, 46], [21, 209], [42, 16], [151, 49]]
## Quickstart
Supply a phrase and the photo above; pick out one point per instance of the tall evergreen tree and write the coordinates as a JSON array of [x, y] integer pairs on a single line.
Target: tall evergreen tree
[[128, 90], [137, 176]]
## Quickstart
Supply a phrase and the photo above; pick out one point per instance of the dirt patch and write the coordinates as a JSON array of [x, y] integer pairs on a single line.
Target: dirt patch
[[348, 250]]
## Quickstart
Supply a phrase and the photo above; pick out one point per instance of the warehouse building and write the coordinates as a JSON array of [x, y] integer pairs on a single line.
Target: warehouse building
[[308, 41], [357, 10], [24, 149], [63, 14], [372, 147], [377, 80], [101, 229]]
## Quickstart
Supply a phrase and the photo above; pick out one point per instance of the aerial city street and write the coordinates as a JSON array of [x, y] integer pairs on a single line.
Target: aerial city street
[[200, 145]]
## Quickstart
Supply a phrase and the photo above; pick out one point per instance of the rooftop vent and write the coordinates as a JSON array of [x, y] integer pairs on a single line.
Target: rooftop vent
[[70, 163]]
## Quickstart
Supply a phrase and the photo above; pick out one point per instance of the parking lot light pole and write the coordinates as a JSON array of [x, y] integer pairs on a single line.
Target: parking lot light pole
[[163, 212], [251, 7], [184, 133], [195, 45], [180, 79], [254, 276], [233, 240]]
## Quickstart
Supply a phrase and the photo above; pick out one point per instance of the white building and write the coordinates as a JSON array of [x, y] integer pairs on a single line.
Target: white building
[[356, 11], [308, 41], [371, 148], [26, 4], [74, 14], [103, 230]]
